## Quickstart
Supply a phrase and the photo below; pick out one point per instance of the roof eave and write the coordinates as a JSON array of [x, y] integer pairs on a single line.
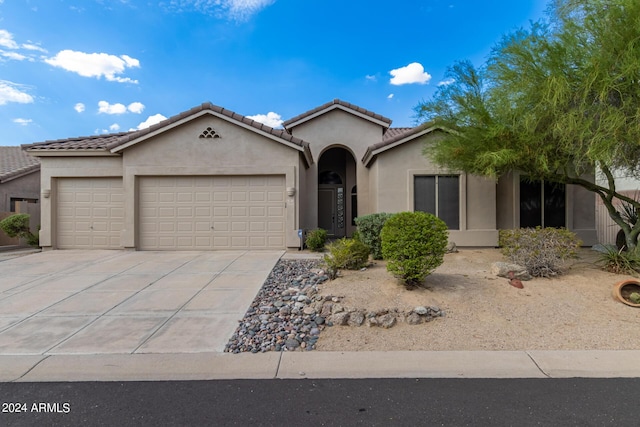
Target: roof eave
[[382, 123], [72, 152], [371, 153], [19, 173]]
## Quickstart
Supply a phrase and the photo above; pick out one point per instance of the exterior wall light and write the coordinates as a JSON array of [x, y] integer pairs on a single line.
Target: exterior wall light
[[291, 191]]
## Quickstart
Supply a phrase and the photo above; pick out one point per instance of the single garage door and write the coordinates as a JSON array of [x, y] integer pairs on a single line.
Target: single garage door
[[90, 213], [212, 212]]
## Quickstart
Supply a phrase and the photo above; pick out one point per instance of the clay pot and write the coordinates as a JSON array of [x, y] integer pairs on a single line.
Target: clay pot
[[623, 289]]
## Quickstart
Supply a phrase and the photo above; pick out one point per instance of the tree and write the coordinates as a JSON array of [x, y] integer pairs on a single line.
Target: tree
[[556, 101]]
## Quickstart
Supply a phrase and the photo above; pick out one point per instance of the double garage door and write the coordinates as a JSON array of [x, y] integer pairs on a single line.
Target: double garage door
[[175, 213]]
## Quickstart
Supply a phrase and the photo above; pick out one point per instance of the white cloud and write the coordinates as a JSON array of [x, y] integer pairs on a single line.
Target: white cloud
[[31, 46], [95, 64], [390, 96], [13, 55], [151, 120], [371, 78], [271, 119], [106, 108], [114, 127], [79, 107], [118, 108], [235, 9], [136, 107], [22, 122], [12, 92], [446, 82], [412, 73], [6, 40]]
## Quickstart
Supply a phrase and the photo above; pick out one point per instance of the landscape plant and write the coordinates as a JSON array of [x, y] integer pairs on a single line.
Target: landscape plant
[[349, 254], [542, 251], [18, 226], [557, 101], [316, 239], [369, 228], [617, 260], [414, 244]]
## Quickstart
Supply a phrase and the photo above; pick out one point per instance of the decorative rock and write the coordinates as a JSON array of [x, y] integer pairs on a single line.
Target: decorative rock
[[340, 318], [413, 319], [356, 318], [451, 248], [309, 310], [502, 269], [423, 311], [292, 344], [387, 321]]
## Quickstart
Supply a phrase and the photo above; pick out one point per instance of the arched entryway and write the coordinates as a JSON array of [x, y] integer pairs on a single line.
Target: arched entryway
[[336, 184]]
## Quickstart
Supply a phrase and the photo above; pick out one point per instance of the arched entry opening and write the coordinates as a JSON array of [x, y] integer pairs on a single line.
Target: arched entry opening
[[336, 179]]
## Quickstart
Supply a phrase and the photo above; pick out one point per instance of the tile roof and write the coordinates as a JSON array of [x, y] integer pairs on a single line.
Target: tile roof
[[333, 104], [14, 162], [109, 142], [94, 142]]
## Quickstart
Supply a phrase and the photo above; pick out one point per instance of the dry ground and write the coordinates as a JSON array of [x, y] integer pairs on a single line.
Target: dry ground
[[483, 312]]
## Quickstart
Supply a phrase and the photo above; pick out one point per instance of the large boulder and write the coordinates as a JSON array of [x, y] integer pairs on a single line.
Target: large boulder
[[502, 269]]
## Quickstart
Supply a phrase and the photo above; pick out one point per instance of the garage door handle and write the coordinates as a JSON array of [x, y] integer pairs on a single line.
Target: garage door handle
[[212, 227]]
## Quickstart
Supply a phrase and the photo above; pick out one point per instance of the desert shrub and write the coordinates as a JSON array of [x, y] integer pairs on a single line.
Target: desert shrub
[[542, 251], [369, 227], [316, 239], [617, 260], [414, 244], [18, 226], [350, 254]]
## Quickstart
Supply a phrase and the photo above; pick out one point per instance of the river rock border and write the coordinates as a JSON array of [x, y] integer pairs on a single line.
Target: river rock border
[[289, 313]]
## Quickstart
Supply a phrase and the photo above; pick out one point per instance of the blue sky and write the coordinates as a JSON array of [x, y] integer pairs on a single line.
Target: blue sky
[[83, 67]]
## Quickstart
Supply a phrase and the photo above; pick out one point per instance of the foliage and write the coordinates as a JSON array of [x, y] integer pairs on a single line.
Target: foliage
[[542, 251], [555, 101], [617, 260], [18, 226], [414, 244], [350, 254], [369, 227], [634, 297], [316, 239]]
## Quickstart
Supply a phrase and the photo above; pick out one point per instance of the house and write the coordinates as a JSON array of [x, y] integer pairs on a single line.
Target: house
[[209, 178], [19, 187]]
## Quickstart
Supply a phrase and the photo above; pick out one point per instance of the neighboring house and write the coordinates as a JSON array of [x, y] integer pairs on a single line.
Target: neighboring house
[[209, 178], [607, 229], [19, 186]]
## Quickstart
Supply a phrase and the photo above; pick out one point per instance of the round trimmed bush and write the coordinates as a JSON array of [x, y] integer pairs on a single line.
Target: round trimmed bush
[[414, 244], [316, 239]]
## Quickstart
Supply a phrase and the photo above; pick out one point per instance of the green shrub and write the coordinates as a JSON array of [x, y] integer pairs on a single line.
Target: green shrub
[[18, 226], [414, 244], [369, 228], [316, 239], [350, 254], [542, 251], [617, 261]]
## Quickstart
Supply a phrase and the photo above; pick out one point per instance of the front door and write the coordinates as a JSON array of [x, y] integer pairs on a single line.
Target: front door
[[331, 210]]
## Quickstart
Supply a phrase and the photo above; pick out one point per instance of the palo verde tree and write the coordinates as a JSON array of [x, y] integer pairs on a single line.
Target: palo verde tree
[[557, 101]]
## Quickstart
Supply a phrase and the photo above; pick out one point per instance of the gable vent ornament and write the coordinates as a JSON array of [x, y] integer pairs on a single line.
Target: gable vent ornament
[[209, 133]]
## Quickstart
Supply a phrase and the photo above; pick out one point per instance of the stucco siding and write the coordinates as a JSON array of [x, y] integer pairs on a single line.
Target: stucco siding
[[26, 187]]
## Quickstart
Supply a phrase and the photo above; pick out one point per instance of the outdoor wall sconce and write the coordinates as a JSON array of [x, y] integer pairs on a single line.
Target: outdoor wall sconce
[[291, 191], [46, 193]]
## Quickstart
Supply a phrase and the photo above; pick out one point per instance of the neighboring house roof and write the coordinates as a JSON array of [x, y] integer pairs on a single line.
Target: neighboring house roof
[[14, 163], [395, 137], [114, 143], [341, 105]]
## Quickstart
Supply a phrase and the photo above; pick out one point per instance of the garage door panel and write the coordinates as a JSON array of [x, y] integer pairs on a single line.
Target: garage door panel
[[226, 212], [89, 213]]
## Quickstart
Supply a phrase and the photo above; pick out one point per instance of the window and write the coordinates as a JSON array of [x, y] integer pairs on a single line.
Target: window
[[12, 202], [542, 204], [438, 195], [354, 204]]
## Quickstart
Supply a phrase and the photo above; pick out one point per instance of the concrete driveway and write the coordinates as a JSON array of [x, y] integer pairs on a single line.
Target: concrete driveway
[[110, 302]]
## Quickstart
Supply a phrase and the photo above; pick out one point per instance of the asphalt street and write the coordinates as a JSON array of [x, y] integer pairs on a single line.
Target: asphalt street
[[370, 402]]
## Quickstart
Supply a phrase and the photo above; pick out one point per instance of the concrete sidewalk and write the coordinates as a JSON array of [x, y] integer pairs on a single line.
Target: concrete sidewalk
[[302, 365]]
